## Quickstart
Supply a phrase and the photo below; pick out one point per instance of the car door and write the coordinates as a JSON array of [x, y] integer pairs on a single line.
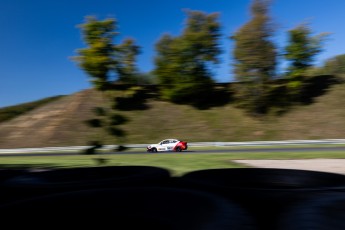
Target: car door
[[164, 145], [171, 145]]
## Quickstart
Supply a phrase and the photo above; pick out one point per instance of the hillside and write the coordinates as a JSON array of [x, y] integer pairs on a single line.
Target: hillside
[[54, 124], [7, 113], [61, 123]]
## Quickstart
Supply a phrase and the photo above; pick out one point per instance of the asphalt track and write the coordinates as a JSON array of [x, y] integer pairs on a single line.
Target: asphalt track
[[192, 151]]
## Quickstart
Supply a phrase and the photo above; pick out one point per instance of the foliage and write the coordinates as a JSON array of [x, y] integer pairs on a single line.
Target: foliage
[[334, 66], [183, 63], [127, 69], [302, 49], [255, 58], [102, 59], [98, 59], [107, 63], [10, 112]]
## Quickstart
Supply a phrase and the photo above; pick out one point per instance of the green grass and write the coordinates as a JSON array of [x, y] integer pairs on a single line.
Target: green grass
[[176, 163]]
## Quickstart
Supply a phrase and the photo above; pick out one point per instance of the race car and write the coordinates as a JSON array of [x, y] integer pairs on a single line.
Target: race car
[[168, 145]]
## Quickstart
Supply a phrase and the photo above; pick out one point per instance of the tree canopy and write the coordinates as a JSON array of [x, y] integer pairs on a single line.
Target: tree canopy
[[104, 60], [301, 49], [183, 63], [255, 57]]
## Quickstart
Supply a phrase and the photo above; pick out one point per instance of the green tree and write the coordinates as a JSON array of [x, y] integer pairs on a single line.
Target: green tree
[[103, 60], [335, 65], [255, 58], [302, 49], [127, 68], [165, 68], [183, 63], [106, 62], [98, 59]]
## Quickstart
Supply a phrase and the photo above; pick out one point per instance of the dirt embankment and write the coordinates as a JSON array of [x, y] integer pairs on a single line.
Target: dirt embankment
[[53, 124]]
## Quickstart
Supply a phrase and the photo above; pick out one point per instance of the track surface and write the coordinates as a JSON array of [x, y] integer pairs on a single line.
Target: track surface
[[192, 151]]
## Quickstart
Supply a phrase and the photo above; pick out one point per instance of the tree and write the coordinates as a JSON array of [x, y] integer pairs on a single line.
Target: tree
[[98, 59], [127, 68], [255, 58], [106, 62], [335, 65], [302, 49], [164, 61], [183, 63], [103, 60]]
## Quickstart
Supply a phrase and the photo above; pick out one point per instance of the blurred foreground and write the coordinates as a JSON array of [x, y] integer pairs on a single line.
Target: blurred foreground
[[141, 197]]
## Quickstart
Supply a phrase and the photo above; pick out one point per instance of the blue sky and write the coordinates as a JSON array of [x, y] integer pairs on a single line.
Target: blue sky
[[38, 36]]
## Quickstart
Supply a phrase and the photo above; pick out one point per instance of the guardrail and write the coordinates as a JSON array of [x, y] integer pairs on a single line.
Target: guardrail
[[190, 144]]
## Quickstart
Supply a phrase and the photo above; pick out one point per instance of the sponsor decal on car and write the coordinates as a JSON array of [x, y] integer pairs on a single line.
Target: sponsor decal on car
[[168, 145]]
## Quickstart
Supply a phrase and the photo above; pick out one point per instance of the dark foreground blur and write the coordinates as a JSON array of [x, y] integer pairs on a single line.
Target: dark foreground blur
[[143, 197]]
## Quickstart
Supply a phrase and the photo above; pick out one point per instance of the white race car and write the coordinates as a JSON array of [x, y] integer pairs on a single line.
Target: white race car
[[168, 145]]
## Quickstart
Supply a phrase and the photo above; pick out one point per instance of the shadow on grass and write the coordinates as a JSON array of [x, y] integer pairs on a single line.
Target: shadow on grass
[[217, 97], [27, 166], [316, 86], [281, 98], [137, 97], [204, 97]]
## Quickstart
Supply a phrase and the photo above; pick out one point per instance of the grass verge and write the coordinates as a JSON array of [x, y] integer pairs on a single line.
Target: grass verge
[[176, 163]]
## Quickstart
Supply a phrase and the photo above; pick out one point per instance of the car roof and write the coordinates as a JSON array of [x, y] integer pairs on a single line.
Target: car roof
[[171, 139]]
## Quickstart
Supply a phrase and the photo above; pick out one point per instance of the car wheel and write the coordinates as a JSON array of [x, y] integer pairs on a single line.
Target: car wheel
[[154, 150], [178, 149]]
